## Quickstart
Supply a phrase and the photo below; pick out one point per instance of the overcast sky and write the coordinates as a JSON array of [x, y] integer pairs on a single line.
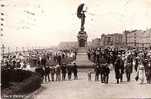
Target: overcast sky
[[48, 22]]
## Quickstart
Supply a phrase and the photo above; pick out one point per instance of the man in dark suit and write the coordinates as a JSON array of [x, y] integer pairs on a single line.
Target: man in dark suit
[[122, 69], [58, 71], [101, 67], [63, 71], [69, 69], [75, 71], [47, 72], [40, 71], [97, 72], [106, 72], [52, 71], [118, 68], [43, 61]]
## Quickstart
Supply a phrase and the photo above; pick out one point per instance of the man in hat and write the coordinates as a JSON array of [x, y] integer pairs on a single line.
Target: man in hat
[[63, 71], [97, 72], [69, 69], [52, 71], [58, 71], [136, 62], [97, 56], [47, 72], [106, 73], [118, 69], [75, 71], [40, 71]]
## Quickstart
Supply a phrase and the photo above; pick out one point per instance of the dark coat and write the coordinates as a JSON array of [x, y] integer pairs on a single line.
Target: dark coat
[[40, 71], [69, 69], [128, 68], [47, 70], [43, 61], [63, 69], [75, 70], [105, 70], [97, 70], [52, 70], [118, 66]]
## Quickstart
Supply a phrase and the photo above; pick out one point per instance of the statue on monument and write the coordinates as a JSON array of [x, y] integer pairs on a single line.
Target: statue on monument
[[81, 15], [82, 36]]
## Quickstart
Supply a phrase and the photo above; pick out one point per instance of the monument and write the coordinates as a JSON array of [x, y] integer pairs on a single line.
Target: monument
[[82, 60]]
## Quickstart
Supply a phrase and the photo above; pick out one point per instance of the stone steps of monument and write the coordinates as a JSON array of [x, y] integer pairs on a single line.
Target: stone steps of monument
[[86, 69], [83, 66], [82, 60], [82, 50]]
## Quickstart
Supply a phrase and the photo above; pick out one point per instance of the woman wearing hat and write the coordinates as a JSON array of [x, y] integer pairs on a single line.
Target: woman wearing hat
[[141, 72]]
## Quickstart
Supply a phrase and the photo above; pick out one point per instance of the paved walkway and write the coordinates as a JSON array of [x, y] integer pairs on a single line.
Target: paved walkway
[[84, 89]]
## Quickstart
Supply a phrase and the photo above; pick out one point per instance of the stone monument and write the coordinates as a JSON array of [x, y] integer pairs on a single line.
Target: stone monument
[[82, 60]]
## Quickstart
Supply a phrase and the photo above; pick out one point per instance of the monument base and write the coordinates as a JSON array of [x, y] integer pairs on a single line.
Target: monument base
[[82, 39], [82, 60]]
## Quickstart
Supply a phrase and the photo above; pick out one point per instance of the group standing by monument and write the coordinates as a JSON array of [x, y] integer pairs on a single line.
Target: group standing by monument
[[58, 73], [122, 62]]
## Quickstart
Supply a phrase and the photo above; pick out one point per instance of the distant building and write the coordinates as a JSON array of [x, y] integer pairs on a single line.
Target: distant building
[[134, 38], [138, 38], [72, 44], [68, 45], [115, 40], [96, 42]]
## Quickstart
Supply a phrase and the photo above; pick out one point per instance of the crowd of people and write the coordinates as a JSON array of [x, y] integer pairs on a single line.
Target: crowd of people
[[58, 73], [43, 62], [122, 61], [34, 58], [56, 64]]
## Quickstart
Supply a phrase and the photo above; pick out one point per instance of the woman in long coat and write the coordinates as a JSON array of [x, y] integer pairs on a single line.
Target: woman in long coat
[[141, 72]]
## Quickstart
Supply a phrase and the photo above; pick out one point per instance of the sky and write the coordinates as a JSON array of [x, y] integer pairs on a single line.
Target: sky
[[44, 23]]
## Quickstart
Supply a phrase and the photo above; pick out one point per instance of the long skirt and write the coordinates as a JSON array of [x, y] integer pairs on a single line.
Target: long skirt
[[141, 76]]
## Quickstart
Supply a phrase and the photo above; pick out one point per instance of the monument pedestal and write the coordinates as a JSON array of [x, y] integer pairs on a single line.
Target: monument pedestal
[[82, 39], [82, 60]]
